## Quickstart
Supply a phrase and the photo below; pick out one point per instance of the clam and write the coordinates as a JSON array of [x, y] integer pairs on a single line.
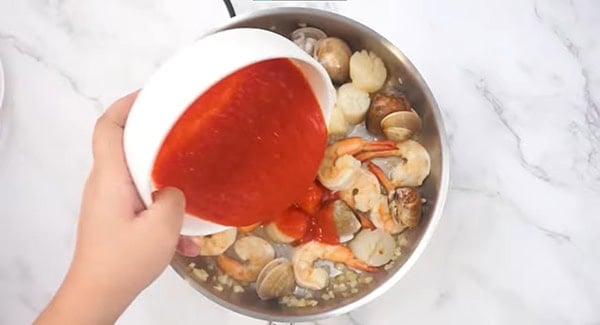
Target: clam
[[334, 54], [307, 37], [346, 222], [374, 247], [406, 206], [276, 279], [401, 125], [381, 106], [397, 134]]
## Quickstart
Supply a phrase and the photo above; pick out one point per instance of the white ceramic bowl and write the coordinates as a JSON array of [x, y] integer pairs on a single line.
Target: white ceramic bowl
[[184, 77]]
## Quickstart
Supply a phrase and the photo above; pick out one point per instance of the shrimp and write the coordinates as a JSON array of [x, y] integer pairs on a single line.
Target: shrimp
[[254, 253], [338, 167], [215, 244], [365, 195], [404, 209], [413, 168], [363, 192], [357, 186], [305, 256], [383, 218]]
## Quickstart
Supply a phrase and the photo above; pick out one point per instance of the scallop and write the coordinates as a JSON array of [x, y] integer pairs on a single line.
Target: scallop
[[401, 126], [346, 222], [337, 122], [353, 102], [334, 55], [276, 279], [307, 37], [367, 71], [374, 247]]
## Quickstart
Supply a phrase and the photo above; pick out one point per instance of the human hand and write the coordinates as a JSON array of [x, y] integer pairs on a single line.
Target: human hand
[[121, 246]]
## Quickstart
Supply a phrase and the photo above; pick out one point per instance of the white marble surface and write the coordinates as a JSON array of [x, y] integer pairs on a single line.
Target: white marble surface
[[519, 85]]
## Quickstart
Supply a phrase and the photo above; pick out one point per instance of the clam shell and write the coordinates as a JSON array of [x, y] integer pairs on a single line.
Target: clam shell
[[308, 32], [381, 106], [276, 279], [397, 134], [402, 125], [410, 206], [307, 37]]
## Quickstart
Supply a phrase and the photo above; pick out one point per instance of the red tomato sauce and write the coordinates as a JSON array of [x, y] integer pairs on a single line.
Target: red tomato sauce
[[293, 222], [321, 227], [248, 147], [311, 217], [312, 199]]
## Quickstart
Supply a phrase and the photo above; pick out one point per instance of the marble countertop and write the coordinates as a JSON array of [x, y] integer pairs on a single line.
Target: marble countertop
[[519, 85]]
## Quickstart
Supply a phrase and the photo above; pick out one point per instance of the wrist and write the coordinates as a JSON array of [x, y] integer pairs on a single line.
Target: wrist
[[83, 298]]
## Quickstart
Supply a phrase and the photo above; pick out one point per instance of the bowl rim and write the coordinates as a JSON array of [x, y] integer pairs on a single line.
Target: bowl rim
[[437, 209]]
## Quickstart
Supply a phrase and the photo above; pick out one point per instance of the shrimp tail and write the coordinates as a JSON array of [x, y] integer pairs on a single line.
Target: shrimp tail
[[344, 255], [368, 155], [379, 146], [360, 265], [357, 145], [364, 221], [389, 188], [234, 269]]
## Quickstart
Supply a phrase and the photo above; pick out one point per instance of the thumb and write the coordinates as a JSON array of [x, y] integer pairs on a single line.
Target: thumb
[[166, 212]]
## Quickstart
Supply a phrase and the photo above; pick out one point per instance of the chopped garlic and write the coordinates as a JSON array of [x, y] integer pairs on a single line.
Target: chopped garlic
[[201, 274]]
